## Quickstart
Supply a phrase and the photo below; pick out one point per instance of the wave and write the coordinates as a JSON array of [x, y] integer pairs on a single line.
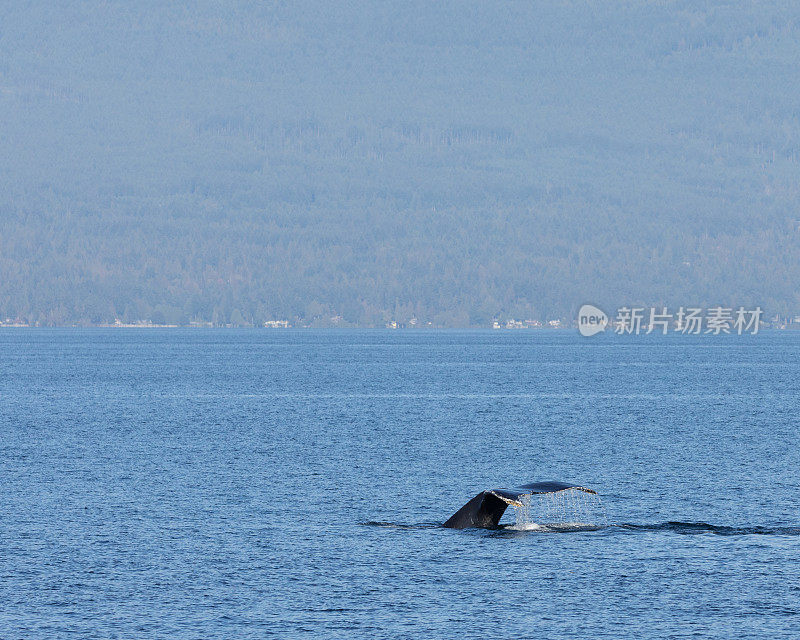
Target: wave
[[680, 528], [402, 525], [697, 528], [560, 527]]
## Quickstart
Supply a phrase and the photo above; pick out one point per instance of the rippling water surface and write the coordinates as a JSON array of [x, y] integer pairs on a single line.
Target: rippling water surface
[[265, 483]]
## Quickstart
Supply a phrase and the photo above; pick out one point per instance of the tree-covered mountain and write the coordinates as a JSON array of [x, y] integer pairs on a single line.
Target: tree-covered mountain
[[453, 161]]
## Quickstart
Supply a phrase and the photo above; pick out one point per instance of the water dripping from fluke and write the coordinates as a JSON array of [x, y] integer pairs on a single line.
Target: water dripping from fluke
[[560, 511]]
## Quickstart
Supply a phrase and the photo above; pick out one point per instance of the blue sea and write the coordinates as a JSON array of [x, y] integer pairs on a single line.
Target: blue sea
[[173, 483]]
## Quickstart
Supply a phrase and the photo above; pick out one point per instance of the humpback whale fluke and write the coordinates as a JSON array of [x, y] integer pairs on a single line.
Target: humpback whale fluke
[[486, 509]]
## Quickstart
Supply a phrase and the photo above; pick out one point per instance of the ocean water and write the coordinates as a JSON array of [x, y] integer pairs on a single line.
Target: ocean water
[[291, 484]]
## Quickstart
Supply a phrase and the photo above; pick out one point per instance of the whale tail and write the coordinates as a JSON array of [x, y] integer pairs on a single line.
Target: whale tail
[[486, 508]]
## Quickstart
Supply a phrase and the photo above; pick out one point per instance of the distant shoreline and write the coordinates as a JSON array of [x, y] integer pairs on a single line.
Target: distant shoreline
[[561, 329]]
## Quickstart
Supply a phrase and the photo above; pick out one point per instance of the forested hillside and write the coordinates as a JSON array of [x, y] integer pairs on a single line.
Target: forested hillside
[[236, 162]]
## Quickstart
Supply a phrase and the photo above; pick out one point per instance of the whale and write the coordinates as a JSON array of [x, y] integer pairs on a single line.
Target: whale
[[485, 509]]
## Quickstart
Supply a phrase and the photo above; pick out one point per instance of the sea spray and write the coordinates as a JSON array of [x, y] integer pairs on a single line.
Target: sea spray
[[561, 509]]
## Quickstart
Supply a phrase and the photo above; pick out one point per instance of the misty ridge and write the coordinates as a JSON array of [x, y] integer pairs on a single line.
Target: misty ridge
[[351, 163]]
